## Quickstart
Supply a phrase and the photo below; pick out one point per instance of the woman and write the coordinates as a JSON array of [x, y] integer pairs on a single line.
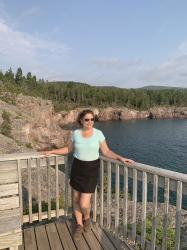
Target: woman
[[86, 143]]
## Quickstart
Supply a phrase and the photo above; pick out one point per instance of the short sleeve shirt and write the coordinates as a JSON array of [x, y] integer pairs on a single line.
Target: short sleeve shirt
[[87, 149]]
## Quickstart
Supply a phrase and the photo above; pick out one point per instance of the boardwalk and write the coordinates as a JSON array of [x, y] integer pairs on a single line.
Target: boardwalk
[[58, 235]]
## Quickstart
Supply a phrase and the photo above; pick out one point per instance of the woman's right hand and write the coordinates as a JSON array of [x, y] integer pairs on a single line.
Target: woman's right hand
[[47, 153]]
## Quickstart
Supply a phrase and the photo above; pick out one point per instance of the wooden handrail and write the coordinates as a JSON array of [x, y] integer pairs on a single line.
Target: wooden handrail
[[167, 179]]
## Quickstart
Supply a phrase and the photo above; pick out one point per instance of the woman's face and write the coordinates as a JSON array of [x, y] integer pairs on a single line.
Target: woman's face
[[88, 121]]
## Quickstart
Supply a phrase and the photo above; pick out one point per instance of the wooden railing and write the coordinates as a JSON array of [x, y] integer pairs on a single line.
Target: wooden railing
[[108, 195], [31, 167], [139, 176]]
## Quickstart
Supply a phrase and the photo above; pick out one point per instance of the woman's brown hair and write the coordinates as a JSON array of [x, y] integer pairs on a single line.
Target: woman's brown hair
[[83, 113]]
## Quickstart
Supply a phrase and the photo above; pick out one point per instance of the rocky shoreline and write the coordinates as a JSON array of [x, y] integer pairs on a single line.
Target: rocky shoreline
[[36, 126]]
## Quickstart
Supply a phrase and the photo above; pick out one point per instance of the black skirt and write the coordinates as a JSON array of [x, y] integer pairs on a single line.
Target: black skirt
[[84, 175]]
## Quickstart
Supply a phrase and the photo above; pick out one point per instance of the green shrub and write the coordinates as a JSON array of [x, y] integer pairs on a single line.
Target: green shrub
[[5, 127], [44, 205], [28, 145], [159, 233]]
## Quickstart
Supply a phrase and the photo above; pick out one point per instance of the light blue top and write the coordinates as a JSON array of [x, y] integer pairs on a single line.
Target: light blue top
[[87, 149]]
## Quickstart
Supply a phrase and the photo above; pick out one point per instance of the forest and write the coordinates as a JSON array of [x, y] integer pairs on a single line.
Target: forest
[[69, 95]]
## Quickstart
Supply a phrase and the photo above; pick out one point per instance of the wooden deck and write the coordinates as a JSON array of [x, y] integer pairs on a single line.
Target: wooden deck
[[57, 235]]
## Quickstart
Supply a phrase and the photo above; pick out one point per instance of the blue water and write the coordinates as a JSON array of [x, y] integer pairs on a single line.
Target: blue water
[[160, 143]]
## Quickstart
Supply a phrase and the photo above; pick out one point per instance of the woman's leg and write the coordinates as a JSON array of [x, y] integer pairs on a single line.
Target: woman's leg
[[76, 206], [85, 204]]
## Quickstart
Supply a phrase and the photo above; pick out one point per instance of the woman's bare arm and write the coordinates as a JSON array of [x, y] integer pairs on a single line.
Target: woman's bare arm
[[109, 153], [60, 151]]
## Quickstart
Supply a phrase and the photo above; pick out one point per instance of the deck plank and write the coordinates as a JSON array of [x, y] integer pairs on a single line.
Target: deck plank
[[58, 235], [103, 239], [115, 241], [92, 241], [81, 244], [41, 238], [53, 237], [29, 239], [65, 236]]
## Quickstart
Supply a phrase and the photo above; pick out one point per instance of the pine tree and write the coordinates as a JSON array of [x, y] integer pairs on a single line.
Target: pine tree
[[19, 77], [9, 75]]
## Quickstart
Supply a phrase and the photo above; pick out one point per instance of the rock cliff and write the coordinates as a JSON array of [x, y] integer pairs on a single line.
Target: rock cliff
[[35, 125]]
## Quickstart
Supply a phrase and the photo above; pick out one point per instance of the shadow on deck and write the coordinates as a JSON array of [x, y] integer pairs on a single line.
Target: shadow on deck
[[57, 234]]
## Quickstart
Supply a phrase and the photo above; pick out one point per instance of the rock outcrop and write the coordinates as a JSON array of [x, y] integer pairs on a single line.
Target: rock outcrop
[[35, 125]]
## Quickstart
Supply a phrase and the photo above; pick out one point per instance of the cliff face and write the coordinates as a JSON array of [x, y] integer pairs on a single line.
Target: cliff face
[[35, 125], [123, 113], [42, 129], [169, 113]]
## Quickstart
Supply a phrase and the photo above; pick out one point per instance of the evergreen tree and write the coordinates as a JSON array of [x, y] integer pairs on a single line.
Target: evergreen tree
[[9, 75], [19, 77]]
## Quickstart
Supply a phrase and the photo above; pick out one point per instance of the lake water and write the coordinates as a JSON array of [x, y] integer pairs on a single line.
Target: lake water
[[160, 143]]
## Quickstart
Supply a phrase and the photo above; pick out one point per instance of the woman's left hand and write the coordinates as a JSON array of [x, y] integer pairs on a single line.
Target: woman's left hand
[[126, 160]]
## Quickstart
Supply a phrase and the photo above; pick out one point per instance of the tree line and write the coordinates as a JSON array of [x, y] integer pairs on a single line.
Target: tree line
[[69, 95]]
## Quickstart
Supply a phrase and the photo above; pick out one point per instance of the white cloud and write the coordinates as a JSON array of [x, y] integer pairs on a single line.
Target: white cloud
[[19, 48], [172, 71]]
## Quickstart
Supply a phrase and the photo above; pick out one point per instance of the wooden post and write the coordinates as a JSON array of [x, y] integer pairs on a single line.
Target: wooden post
[[57, 187], [144, 206], [134, 204], [29, 189], [109, 194], [154, 214], [117, 199], [48, 188], [178, 215], [101, 191], [125, 200], [66, 185], [166, 210], [39, 190]]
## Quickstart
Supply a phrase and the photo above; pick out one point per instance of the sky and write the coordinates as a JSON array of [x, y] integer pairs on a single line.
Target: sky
[[122, 43]]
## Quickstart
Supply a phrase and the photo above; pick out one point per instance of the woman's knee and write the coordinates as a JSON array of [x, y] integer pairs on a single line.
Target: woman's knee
[[85, 204]]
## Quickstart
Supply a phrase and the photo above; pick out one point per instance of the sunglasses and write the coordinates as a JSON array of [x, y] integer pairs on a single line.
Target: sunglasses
[[87, 119]]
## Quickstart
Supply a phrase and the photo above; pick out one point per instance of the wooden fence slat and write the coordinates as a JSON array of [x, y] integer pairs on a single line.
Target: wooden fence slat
[[39, 189], [44, 215], [66, 184], [154, 214], [144, 206], [117, 199], [20, 190], [108, 194], [95, 205], [29, 189], [101, 191], [8, 189], [178, 215], [165, 217], [125, 200], [48, 188], [9, 202], [8, 174], [134, 204], [57, 187]]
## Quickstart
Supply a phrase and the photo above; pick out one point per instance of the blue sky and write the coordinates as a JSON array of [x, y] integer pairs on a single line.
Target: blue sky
[[101, 42]]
